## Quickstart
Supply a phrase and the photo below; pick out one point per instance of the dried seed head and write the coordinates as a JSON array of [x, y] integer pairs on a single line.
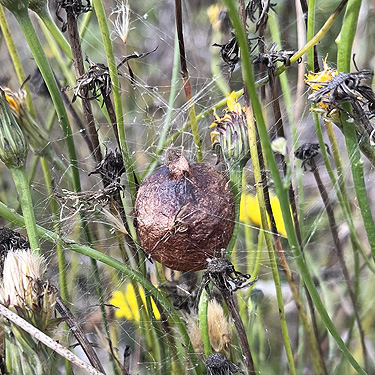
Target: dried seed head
[[23, 289], [122, 21], [219, 328], [10, 240], [184, 214], [217, 364]]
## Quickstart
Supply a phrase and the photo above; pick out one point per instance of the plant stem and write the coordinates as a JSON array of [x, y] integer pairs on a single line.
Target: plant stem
[[22, 186], [40, 58], [281, 192], [203, 322], [185, 77], [129, 164], [15, 60]]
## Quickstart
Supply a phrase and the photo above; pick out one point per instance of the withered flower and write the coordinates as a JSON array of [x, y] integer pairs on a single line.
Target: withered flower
[[307, 152], [264, 6], [221, 272], [230, 133], [217, 364], [75, 7], [271, 57], [230, 52], [111, 167]]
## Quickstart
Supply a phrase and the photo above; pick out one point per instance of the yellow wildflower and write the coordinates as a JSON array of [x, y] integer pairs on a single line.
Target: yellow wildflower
[[250, 209], [127, 306], [314, 79], [214, 15]]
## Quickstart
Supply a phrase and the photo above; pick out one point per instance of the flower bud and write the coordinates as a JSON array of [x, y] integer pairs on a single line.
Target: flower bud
[[35, 134], [13, 144], [231, 135]]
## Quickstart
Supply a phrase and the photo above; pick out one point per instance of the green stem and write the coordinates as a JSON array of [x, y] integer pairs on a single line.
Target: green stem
[[236, 185], [22, 186], [15, 60], [41, 60], [128, 159], [282, 193], [203, 322], [344, 44], [45, 16], [48, 235]]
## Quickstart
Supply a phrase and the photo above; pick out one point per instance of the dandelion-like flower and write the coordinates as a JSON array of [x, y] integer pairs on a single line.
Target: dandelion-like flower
[[127, 305], [122, 21], [230, 133]]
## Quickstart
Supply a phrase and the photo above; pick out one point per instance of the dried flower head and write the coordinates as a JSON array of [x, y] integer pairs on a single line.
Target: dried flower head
[[74, 7], [307, 152], [10, 240], [24, 291], [111, 167], [230, 133], [219, 327], [221, 272], [217, 364], [122, 21], [264, 6], [230, 52], [96, 81], [271, 57]]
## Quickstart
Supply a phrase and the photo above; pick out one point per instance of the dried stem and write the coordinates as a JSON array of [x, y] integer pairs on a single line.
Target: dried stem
[[185, 77], [232, 304], [79, 69]]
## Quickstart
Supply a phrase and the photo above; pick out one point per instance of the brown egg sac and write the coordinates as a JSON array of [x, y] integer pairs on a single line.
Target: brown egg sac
[[184, 213]]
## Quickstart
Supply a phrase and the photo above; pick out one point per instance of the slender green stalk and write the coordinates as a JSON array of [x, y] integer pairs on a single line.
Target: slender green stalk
[[45, 16], [172, 97], [268, 238], [15, 60], [22, 186], [281, 192], [128, 159], [41, 60], [48, 235], [236, 186], [203, 322], [310, 33]]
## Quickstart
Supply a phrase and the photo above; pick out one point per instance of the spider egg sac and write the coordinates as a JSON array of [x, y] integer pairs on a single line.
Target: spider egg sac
[[184, 213]]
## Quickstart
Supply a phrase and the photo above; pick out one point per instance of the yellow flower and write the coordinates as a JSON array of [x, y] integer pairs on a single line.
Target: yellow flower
[[314, 80], [250, 209], [127, 304], [214, 15]]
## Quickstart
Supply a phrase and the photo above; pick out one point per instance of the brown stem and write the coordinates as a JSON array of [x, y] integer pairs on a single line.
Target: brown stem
[[79, 69], [231, 302], [78, 334]]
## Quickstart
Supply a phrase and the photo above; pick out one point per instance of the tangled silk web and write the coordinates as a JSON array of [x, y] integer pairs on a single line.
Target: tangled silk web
[[155, 109]]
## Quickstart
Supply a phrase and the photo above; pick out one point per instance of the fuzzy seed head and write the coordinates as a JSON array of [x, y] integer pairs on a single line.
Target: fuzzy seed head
[[122, 21]]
